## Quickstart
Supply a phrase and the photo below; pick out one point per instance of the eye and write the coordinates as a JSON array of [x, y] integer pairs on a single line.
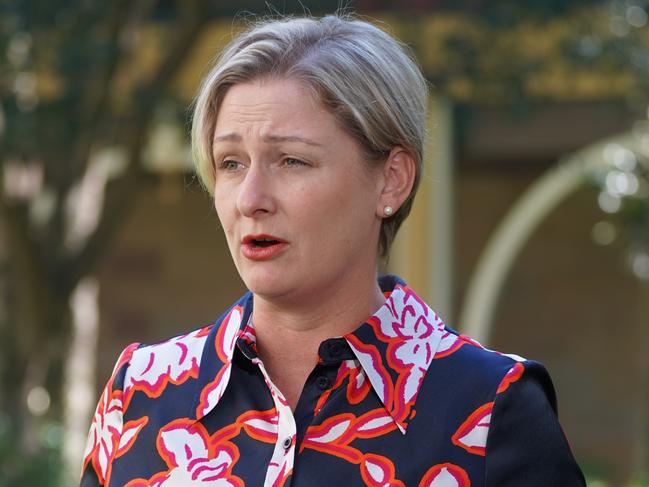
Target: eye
[[292, 161], [229, 165]]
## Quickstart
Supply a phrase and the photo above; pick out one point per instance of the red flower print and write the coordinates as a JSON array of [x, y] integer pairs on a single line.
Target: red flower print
[[152, 368], [228, 333], [107, 428], [225, 342], [104, 432], [129, 434], [445, 475], [473, 342], [260, 425], [193, 460], [280, 466], [332, 437], [413, 324], [374, 369], [277, 473], [333, 430], [378, 471], [357, 386], [413, 333], [373, 424], [212, 392], [512, 376], [449, 344], [472, 433]]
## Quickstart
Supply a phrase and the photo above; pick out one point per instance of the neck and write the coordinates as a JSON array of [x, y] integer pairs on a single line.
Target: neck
[[289, 330], [333, 311]]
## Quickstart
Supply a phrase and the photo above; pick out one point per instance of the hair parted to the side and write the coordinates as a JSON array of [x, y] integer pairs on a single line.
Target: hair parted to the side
[[361, 74]]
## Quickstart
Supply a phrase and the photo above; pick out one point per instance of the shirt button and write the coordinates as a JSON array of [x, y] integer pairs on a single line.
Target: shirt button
[[323, 382], [335, 351], [287, 443]]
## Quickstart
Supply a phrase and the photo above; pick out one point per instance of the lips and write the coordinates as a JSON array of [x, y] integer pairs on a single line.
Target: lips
[[262, 246], [261, 240]]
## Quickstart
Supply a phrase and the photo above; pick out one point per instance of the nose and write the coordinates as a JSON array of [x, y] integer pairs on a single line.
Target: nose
[[255, 197]]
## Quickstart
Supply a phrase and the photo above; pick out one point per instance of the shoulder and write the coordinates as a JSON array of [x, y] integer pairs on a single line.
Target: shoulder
[[524, 441], [111, 432], [483, 372], [151, 383], [152, 367], [504, 408], [107, 424]]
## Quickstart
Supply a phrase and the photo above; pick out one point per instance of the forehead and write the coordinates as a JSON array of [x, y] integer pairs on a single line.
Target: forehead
[[279, 102], [273, 111]]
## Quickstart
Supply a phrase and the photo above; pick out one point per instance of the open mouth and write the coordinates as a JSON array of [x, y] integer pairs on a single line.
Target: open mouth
[[264, 242], [262, 247]]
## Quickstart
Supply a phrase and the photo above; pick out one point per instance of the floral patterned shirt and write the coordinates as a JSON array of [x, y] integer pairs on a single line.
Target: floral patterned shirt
[[402, 400]]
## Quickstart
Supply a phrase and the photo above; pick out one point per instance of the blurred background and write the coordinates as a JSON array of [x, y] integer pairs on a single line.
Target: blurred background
[[530, 232]]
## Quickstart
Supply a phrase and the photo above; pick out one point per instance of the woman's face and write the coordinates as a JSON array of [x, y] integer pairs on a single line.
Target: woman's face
[[298, 204]]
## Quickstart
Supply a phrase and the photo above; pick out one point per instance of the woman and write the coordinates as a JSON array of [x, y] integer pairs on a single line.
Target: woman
[[309, 134]]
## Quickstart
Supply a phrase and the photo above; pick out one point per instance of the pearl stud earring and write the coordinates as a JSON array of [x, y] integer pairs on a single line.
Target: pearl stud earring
[[388, 210]]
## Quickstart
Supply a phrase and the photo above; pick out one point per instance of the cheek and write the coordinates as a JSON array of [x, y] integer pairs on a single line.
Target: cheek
[[341, 214], [224, 214]]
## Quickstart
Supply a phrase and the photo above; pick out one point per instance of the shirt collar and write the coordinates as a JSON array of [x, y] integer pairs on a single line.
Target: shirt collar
[[394, 347]]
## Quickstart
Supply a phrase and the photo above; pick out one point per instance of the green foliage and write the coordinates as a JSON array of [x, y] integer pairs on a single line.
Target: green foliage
[[19, 468]]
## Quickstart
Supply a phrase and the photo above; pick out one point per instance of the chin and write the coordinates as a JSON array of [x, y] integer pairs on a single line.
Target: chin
[[266, 282]]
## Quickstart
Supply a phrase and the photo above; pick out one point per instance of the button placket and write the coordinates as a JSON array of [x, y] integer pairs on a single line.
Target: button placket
[[335, 351], [281, 462], [288, 441], [323, 382]]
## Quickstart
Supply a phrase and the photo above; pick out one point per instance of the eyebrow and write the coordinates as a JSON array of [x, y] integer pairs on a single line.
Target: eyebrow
[[275, 139]]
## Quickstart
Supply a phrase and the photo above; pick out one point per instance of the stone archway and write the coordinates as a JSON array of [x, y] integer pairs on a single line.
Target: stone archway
[[507, 241]]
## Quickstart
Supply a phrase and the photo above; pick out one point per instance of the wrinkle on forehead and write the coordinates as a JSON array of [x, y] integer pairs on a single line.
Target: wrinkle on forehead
[[268, 138], [272, 120]]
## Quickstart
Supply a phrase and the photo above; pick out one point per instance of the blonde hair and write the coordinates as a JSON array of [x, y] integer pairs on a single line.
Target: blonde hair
[[361, 74]]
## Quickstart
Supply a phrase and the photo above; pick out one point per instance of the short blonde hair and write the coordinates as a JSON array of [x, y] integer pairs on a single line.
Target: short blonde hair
[[361, 74]]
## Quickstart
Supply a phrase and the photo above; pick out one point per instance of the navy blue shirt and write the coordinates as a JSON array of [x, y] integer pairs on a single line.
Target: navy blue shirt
[[402, 400]]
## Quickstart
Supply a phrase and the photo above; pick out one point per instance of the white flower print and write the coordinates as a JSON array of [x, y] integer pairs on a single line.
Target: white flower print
[[153, 367], [417, 327], [105, 431], [192, 459]]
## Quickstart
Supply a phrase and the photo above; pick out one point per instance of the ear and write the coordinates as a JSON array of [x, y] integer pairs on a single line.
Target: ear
[[398, 178]]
